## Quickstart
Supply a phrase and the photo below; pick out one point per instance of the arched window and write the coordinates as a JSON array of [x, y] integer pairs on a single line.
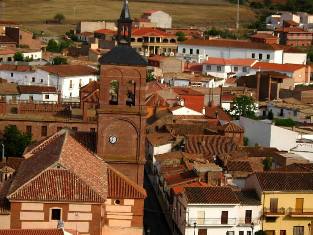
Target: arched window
[[133, 40], [165, 40], [139, 40], [114, 89], [172, 41], [131, 93]]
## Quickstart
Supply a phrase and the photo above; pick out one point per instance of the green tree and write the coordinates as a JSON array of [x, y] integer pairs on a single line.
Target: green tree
[[18, 56], [53, 46], [15, 141], [288, 122], [150, 76], [59, 60], [267, 163], [181, 36], [243, 106], [59, 17]]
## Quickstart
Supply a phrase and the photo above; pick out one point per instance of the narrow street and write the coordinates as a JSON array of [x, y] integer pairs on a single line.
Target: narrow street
[[154, 220]]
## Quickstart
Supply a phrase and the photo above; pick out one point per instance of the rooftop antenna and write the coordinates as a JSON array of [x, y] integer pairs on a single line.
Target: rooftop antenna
[[238, 15]]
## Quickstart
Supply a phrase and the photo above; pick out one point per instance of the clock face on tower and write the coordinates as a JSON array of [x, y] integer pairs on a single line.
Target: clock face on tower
[[112, 139]]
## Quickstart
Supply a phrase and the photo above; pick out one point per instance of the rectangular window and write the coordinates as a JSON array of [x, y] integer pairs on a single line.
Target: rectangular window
[[274, 205], [230, 233], [248, 232], [244, 69], [282, 232], [33, 79], [202, 231], [224, 217], [11, 75], [219, 68], [41, 80], [241, 233], [299, 205], [46, 97], [55, 214], [74, 128], [248, 217], [298, 230], [200, 217], [268, 56], [253, 55], [260, 56], [184, 50], [198, 51], [29, 130], [236, 69], [71, 84], [31, 98], [44, 130], [208, 67], [191, 51]]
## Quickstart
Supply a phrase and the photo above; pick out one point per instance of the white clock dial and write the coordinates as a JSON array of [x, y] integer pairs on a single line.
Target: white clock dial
[[112, 139]]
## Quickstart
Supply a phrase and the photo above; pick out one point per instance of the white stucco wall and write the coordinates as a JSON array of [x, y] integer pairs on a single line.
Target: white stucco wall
[[185, 111], [267, 135], [295, 58], [161, 19]]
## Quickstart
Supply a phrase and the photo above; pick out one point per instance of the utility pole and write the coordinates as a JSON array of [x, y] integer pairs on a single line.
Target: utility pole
[[237, 21]]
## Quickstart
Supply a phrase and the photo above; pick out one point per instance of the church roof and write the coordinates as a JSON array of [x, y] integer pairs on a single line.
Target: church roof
[[123, 55]]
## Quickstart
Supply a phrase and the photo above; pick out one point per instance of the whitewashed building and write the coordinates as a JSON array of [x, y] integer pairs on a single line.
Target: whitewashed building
[[224, 68], [199, 50], [38, 93], [66, 78], [160, 19], [216, 210]]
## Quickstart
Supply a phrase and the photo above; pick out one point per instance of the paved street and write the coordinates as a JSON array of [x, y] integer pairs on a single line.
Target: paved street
[[154, 219]]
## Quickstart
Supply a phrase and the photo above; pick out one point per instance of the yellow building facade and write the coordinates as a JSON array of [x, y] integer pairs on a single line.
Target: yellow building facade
[[287, 202]]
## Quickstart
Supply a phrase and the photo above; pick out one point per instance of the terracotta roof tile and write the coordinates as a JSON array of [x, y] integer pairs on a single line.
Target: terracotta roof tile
[[232, 128], [230, 61], [34, 232], [278, 67], [186, 91], [67, 70], [239, 166], [180, 189], [157, 139], [119, 186], [6, 51], [211, 195], [8, 89], [285, 181], [31, 89], [17, 68], [57, 185], [248, 197], [210, 144], [62, 149], [180, 178], [297, 167], [106, 31], [150, 32]]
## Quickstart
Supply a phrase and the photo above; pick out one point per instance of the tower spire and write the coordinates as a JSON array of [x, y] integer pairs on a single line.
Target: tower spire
[[124, 24]]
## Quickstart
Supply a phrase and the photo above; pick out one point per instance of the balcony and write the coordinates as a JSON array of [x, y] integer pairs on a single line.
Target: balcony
[[305, 212], [270, 212], [248, 222], [211, 222]]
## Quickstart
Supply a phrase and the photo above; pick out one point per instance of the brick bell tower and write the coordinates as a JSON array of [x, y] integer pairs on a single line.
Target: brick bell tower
[[121, 116]]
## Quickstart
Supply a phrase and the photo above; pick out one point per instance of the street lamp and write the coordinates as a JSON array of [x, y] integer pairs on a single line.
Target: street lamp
[[252, 227], [194, 228]]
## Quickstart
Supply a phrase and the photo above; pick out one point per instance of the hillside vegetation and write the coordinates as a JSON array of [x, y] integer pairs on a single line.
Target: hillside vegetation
[[205, 13]]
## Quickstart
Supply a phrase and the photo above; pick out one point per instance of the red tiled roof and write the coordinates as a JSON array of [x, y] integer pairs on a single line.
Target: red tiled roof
[[218, 113], [293, 30], [17, 68], [63, 150], [239, 166], [6, 51], [225, 61], [67, 70], [285, 181], [231, 44], [232, 128], [69, 188], [180, 178], [154, 86], [35, 232], [211, 195], [186, 91], [119, 186], [32, 89], [6, 39], [231, 80], [193, 67], [209, 144], [180, 189], [106, 31], [150, 32], [156, 58], [277, 67], [297, 167]]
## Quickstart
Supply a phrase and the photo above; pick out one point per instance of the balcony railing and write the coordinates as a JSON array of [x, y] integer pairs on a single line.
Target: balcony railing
[[211, 222], [274, 212], [305, 212]]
